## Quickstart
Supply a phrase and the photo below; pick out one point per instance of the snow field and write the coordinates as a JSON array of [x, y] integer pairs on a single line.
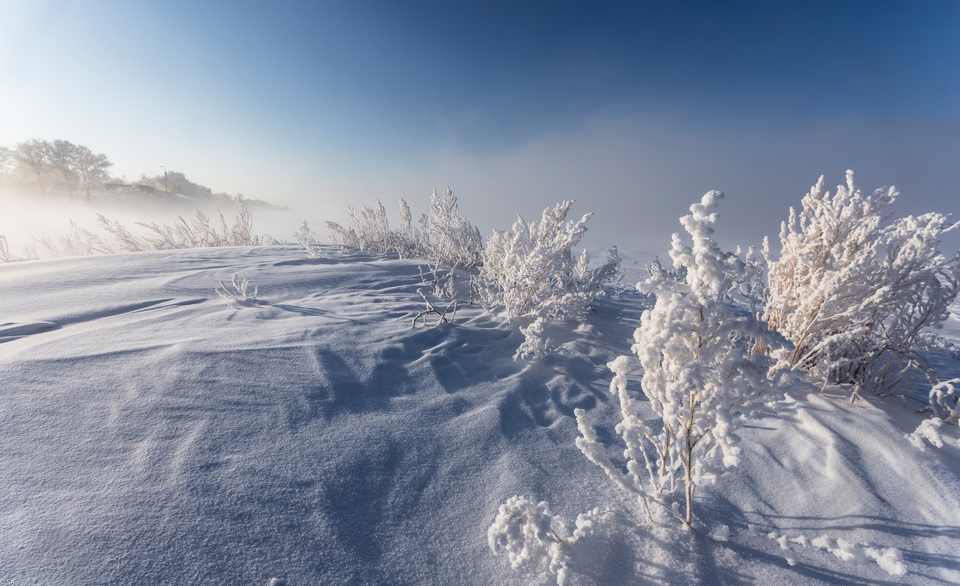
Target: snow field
[[155, 433]]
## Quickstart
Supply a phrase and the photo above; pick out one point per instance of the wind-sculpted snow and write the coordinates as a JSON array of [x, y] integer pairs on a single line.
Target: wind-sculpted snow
[[154, 433]]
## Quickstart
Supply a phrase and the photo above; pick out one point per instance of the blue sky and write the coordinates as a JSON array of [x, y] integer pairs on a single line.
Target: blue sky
[[634, 108]]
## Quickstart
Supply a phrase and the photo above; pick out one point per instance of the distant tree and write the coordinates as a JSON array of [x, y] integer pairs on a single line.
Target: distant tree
[[6, 162], [33, 156], [63, 157], [92, 168]]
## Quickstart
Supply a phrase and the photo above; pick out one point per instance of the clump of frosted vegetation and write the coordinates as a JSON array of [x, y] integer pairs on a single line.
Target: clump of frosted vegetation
[[534, 538], [945, 406], [945, 400], [705, 374], [535, 343], [701, 374], [445, 235], [5, 255], [890, 559], [304, 236], [241, 290], [859, 297], [530, 269], [197, 232]]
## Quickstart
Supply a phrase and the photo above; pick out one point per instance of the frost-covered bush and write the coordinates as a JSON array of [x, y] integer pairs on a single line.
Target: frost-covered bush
[[531, 269], [945, 400], [77, 242], [701, 374], [241, 290], [929, 429], [304, 236], [534, 341], [533, 537], [445, 236], [656, 270], [370, 231], [198, 232], [859, 297], [945, 406]]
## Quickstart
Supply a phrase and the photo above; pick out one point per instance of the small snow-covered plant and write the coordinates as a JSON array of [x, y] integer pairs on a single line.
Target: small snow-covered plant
[[929, 429], [304, 236], [858, 296], [5, 255], [534, 341], [945, 406], [655, 270], [945, 400], [447, 235], [533, 537], [344, 236], [77, 242], [701, 374], [408, 241], [531, 270], [592, 282], [890, 559], [431, 309], [370, 230], [124, 240], [196, 233], [240, 293]]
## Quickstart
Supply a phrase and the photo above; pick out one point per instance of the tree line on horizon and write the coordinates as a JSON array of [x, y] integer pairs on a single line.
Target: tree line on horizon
[[59, 165], [62, 167]]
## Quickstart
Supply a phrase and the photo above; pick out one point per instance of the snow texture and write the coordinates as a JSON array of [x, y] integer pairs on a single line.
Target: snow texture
[[153, 434]]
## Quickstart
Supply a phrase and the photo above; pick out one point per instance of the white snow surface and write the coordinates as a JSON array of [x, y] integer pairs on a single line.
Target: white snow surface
[[154, 433]]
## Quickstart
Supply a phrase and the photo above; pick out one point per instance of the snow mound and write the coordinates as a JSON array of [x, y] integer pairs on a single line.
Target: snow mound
[[154, 433]]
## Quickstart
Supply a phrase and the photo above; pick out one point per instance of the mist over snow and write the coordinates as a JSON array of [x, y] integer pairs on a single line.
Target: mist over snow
[[157, 433], [452, 332]]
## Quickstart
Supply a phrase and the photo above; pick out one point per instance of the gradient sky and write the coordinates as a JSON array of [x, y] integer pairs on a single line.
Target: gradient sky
[[634, 109]]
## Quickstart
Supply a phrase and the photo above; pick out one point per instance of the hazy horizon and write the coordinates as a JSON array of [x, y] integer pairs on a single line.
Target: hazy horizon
[[634, 110]]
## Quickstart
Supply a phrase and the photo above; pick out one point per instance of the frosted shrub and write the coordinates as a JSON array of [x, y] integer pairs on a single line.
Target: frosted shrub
[[657, 271], [196, 233], [371, 231], [928, 430], [447, 235], [124, 240], [532, 537], [304, 236], [5, 255], [531, 269], [199, 232], [945, 405], [858, 297], [407, 240], [701, 375], [240, 291], [534, 341], [77, 242], [945, 400]]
